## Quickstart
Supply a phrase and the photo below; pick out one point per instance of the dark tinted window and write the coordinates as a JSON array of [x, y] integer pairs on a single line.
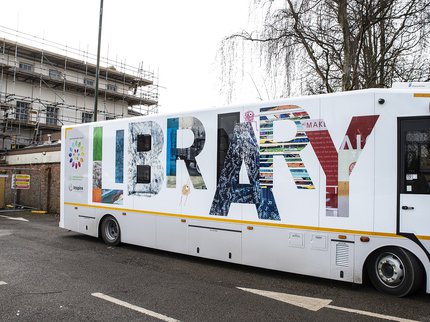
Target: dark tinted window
[[226, 123], [417, 162], [143, 174], [143, 143]]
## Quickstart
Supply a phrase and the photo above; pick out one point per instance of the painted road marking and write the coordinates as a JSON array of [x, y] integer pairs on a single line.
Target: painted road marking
[[376, 315], [5, 232], [2, 283], [309, 303], [134, 307], [14, 218], [315, 304]]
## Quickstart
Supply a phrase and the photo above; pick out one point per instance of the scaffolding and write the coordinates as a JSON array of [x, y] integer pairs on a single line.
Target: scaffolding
[[44, 85]]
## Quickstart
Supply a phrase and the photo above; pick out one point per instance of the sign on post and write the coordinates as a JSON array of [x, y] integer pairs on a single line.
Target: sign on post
[[20, 181]]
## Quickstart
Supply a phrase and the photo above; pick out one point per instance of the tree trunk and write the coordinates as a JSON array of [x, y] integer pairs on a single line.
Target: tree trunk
[[347, 57]]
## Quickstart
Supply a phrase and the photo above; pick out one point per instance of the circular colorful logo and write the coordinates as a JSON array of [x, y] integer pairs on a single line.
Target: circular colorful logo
[[76, 154]]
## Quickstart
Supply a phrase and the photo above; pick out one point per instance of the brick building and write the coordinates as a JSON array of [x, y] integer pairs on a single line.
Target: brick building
[[42, 166]]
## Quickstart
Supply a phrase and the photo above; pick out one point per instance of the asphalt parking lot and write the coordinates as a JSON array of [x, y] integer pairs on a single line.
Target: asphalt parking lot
[[51, 274]]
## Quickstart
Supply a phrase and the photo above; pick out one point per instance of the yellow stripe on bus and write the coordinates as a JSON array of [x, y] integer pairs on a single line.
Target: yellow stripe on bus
[[244, 222], [425, 95]]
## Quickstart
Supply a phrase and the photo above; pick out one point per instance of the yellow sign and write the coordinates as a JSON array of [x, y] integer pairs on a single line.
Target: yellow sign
[[21, 181]]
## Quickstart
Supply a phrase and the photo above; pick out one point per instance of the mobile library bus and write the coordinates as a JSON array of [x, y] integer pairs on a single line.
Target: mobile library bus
[[334, 185]]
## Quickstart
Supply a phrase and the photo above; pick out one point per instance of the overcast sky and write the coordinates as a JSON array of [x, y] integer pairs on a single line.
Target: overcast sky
[[178, 39]]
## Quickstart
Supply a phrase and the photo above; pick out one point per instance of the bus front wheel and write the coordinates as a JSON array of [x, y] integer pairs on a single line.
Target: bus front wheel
[[110, 231], [395, 271]]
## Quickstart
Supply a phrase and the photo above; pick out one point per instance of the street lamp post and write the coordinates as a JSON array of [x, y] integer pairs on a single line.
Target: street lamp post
[[96, 92]]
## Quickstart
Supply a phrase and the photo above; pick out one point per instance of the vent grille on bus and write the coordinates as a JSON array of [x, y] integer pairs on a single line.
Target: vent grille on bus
[[342, 254]]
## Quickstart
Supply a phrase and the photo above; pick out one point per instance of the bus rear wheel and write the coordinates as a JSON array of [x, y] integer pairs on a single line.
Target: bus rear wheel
[[395, 271], [110, 231]]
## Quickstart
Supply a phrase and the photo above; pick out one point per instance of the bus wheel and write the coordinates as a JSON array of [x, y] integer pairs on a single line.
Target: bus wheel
[[110, 231], [395, 271]]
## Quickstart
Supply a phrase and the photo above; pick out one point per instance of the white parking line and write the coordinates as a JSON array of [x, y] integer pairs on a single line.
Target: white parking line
[[375, 315], [14, 218], [5, 232], [134, 307], [2, 283], [315, 304]]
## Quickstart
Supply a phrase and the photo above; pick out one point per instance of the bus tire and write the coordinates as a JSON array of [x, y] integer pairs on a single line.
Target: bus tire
[[395, 271], [110, 231]]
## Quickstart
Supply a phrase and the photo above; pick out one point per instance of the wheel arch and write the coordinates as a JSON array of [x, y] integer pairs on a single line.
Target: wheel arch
[[422, 259]]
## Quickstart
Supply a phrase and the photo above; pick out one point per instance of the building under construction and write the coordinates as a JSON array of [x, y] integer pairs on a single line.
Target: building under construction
[[45, 85]]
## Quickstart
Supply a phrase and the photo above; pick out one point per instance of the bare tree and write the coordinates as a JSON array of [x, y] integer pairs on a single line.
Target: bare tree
[[331, 45]]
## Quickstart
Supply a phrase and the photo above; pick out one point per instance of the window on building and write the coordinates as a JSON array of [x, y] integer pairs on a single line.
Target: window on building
[[53, 73], [21, 110], [111, 87], [89, 82], [52, 115], [26, 66], [87, 117], [109, 118]]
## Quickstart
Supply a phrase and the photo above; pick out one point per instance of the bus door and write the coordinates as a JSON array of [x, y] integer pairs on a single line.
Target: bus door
[[414, 176]]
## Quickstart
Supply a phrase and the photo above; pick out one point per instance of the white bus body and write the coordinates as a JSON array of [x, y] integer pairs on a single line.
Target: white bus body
[[327, 185]]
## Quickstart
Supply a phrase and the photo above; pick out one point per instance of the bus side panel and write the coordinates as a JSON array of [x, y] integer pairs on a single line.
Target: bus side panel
[[386, 159], [298, 196], [75, 175], [215, 240], [396, 105], [197, 186], [172, 234], [62, 164], [426, 244], [346, 118], [299, 251], [138, 229]]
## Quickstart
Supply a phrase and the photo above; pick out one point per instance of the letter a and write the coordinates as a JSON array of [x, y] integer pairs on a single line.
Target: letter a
[[243, 148]]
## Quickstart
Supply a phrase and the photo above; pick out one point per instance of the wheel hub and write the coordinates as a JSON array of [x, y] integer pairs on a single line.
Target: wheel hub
[[112, 230], [390, 269]]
